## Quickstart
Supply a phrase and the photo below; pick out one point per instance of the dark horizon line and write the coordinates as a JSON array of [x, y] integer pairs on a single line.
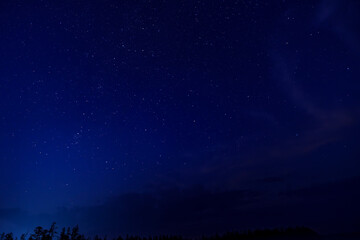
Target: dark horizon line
[[72, 233]]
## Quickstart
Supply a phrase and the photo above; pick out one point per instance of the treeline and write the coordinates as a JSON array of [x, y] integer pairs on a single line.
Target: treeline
[[73, 234]]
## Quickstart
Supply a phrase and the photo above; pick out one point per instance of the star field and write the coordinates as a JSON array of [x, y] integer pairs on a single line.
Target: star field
[[101, 99]]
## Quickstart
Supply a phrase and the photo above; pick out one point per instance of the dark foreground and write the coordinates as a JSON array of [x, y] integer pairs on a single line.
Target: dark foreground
[[283, 234]]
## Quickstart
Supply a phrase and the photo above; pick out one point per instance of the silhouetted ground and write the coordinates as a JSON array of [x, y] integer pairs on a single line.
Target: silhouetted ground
[[298, 233]]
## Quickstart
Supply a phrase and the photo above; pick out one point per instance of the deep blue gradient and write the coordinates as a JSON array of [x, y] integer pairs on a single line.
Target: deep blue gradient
[[179, 116]]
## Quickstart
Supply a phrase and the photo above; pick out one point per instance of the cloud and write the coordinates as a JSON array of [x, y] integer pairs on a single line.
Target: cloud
[[341, 17], [329, 207], [328, 124], [191, 211], [273, 179]]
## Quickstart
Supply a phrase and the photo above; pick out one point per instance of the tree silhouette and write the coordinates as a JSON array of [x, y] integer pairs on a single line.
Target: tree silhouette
[[74, 234], [64, 235], [9, 236], [23, 236], [38, 232]]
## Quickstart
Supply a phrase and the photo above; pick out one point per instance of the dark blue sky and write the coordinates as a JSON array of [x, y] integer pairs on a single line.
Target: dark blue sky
[[126, 110]]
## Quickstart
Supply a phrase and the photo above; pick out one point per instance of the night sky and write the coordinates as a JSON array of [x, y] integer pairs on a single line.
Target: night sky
[[179, 116]]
